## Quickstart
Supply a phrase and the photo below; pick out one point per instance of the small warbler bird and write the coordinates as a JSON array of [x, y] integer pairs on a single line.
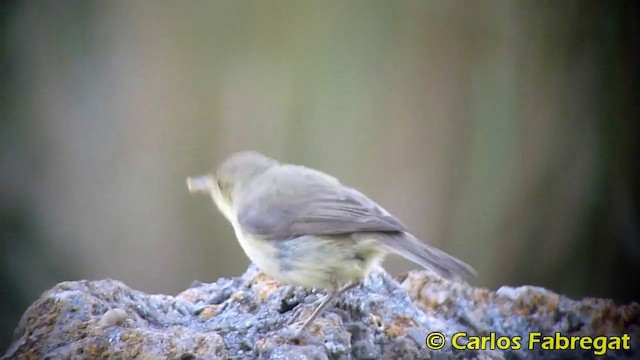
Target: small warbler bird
[[304, 228]]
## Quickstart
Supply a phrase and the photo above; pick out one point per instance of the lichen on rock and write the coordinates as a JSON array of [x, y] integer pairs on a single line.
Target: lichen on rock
[[248, 316]]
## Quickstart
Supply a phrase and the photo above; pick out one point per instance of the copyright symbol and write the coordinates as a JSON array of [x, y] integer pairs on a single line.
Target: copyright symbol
[[435, 341]]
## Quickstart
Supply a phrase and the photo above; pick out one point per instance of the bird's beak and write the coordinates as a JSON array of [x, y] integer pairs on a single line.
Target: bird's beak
[[198, 184]]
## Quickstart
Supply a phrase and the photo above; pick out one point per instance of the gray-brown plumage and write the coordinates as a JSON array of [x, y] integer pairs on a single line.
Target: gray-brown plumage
[[303, 227]]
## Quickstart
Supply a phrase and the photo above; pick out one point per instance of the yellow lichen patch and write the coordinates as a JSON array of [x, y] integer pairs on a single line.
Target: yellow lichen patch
[[263, 343], [46, 313], [399, 326], [131, 337], [614, 320], [264, 285], [209, 311], [262, 278], [547, 303], [265, 292], [95, 351], [428, 303], [482, 295], [191, 295], [238, 295], [536, 302]]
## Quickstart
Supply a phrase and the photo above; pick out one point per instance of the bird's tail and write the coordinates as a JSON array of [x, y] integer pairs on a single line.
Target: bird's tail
[[407, 246]]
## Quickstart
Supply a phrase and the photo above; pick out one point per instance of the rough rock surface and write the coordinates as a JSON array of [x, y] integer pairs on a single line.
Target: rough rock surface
[[246, 317]]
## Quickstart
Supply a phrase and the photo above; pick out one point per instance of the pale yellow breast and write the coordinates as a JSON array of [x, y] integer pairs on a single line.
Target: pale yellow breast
[[260, 252]]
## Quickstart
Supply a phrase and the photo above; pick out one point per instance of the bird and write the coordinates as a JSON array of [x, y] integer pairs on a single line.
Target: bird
[[305, 228]]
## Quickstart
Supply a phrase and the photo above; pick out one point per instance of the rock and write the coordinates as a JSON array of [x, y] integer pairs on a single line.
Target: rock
[[246, 317]]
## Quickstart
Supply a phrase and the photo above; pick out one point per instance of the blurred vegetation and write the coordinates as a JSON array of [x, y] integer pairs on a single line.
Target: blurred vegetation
[[504, 132]]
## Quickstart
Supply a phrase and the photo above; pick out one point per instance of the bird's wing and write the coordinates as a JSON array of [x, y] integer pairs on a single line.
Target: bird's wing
[[314, 204]]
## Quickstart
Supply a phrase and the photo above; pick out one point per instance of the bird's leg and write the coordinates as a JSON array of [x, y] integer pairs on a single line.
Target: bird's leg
[[327, 300], [346, 288]]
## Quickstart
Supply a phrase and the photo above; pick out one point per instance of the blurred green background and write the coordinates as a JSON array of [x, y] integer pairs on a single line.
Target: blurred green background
[[504, 132]]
